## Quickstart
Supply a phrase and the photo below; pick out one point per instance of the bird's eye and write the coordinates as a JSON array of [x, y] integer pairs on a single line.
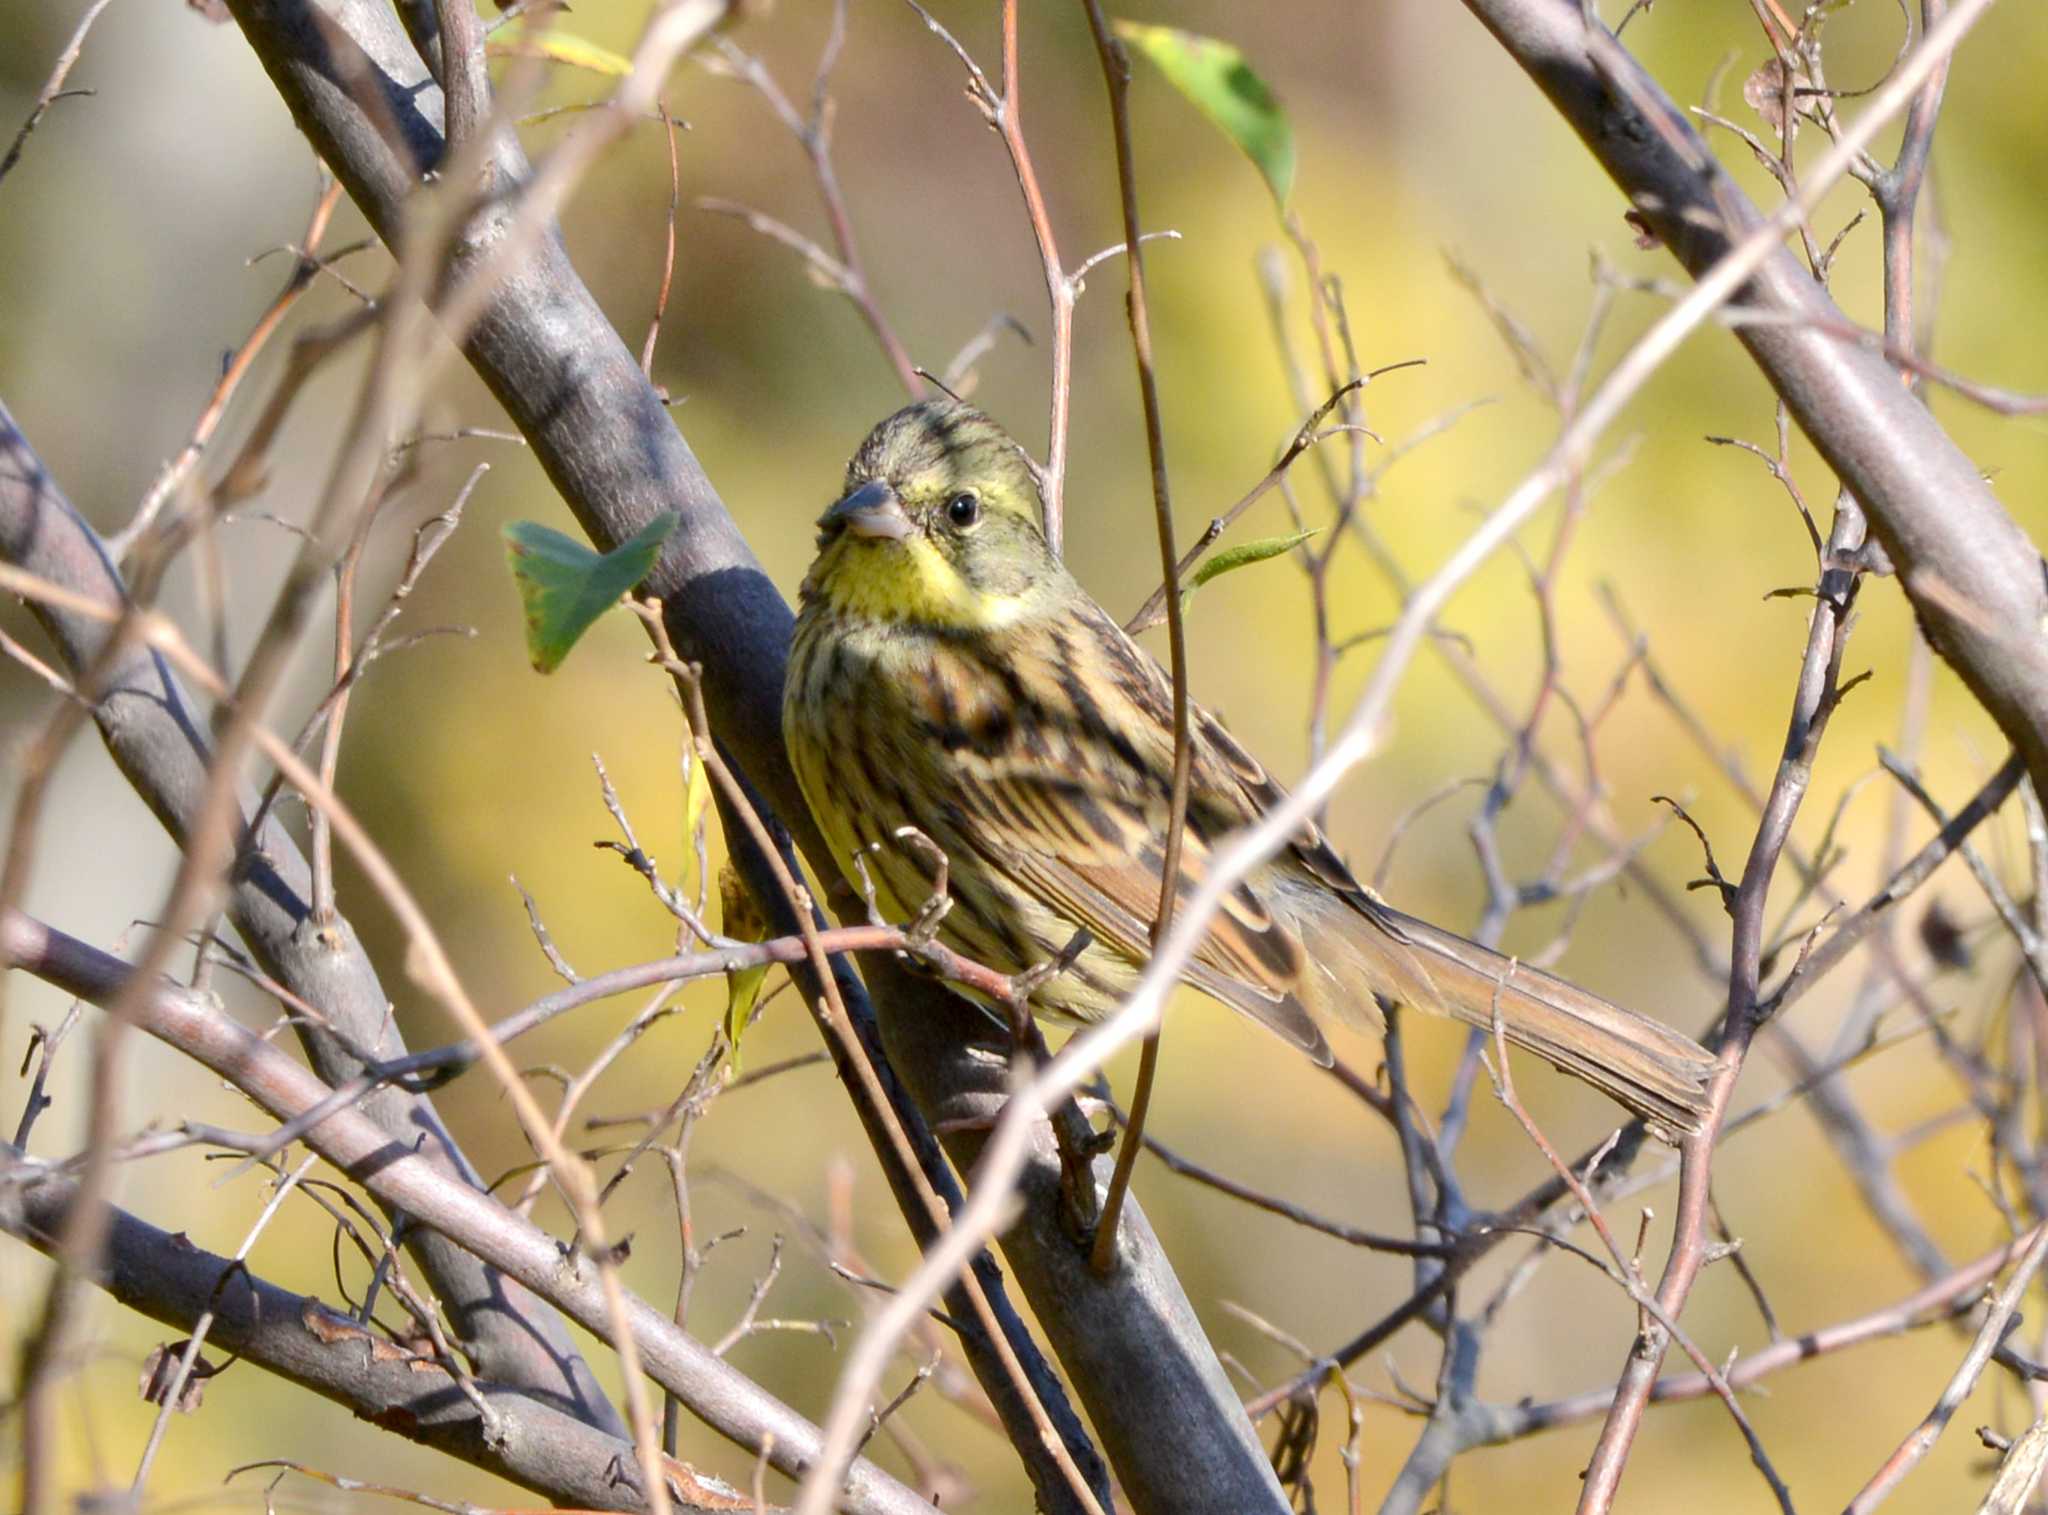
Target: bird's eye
[[963, 510]]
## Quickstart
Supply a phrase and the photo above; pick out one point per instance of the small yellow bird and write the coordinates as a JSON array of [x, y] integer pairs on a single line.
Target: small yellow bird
[[950, 675]]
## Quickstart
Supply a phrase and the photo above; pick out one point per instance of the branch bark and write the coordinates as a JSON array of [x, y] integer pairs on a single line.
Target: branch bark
[[528, 1440], [1136, 1354], [194, 1024], [157, 741]]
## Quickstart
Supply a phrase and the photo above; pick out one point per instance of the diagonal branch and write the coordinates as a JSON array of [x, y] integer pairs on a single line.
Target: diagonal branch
[[1132, 1345], [522, 1437], [195, 1025], [157, 740], [1974, 579]]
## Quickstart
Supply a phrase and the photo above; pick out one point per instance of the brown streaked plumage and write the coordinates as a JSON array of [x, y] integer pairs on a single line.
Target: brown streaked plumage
[[948, 674]]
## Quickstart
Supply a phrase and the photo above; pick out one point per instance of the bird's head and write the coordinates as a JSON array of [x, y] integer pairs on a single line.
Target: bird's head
[[938, 526]]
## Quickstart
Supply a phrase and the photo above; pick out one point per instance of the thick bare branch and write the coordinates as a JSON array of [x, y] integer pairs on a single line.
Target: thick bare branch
[[195, 1025], [1131, 1344], [529, 1440], [158, 741]]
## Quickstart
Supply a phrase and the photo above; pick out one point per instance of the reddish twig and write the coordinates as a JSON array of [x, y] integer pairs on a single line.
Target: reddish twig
[[668, 254], [814, 134], [1004, 112]]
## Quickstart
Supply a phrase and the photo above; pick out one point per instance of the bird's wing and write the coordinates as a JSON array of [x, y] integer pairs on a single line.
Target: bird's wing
[[1363, 946], [1068, 801], [1094, 856], [1261, 794]]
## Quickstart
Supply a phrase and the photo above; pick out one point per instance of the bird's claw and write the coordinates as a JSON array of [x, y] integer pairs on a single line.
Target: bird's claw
[[923, 929], [1031, 980], [1027, 983]]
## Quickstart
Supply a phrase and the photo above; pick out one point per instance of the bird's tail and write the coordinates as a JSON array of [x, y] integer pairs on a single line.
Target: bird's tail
[[1652, 1070]]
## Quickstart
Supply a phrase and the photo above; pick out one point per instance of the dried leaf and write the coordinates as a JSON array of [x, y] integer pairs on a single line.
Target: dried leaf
[[160, 1367], [1764, 91]]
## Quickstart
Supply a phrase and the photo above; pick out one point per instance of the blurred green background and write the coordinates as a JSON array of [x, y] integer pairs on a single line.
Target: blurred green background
[[125, 239]]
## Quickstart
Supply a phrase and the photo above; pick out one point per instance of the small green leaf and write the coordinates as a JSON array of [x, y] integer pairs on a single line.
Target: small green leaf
[[1222, 85], [696, 800], [742, 922], [1241, 556], [564, 586], [562, 47]]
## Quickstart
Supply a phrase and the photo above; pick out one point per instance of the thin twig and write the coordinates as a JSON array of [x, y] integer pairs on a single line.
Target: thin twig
[[1116, 76], [53, 87], [1004, 112], [1921, 1439], [814, 134]]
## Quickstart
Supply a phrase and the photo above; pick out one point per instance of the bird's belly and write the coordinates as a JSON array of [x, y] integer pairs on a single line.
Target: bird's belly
[[869, 772], [1089, 989], [989, 920]]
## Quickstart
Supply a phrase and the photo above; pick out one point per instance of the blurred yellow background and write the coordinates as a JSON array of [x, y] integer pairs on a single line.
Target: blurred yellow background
[[124, 239]]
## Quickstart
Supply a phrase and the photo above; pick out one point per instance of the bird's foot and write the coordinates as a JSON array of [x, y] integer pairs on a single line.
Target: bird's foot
[[923, 929], [1027, 983]]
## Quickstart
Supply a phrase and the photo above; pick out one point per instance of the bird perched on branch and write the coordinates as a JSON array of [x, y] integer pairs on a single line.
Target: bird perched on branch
[[953, 692]]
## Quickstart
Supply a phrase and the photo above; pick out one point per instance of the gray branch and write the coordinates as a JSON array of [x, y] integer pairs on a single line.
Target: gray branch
[[1130, 1343], [528, 1440], [158, 742], [195, 1025]]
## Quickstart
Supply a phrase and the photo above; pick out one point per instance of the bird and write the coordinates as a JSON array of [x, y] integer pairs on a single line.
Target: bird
[[962, 715]]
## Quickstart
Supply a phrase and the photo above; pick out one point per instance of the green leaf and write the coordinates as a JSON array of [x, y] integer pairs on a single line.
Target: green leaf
[[1222, 85], [562, 47], [696, 800], [1241, 556], [564, 586], [743, 922], [742, 991]]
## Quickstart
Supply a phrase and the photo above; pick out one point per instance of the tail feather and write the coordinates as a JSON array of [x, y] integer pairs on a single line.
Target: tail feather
[[1652, 1070]]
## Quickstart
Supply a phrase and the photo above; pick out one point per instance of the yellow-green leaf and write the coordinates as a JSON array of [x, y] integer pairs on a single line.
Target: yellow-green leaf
[[696, 800], [564, 586], [1241, 556], [1223, 87], [562, 47], [743, 922]]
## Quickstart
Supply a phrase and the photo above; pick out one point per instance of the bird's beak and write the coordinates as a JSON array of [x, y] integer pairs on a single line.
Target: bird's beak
[[870, 511]]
